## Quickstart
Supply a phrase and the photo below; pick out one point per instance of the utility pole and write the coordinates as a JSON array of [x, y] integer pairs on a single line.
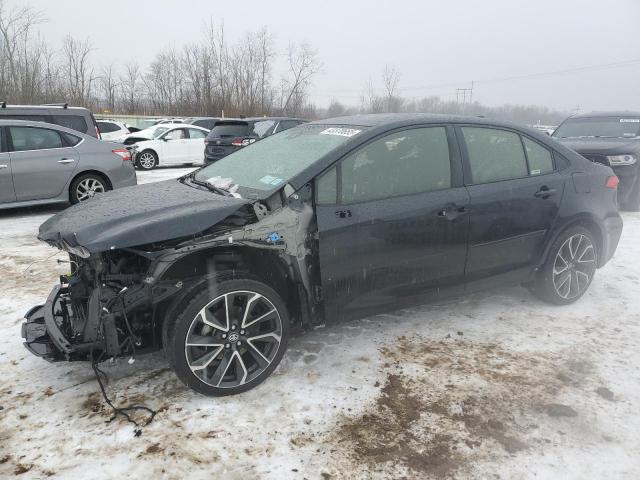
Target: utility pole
[[462, 93]]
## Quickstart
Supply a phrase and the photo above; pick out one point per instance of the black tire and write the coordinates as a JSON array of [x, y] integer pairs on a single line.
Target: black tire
[[85, 186], [215, 364], [147, 160], [576, 250]]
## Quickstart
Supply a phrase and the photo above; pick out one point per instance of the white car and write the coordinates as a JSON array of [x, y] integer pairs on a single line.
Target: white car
[[171, 144], [111, 130]]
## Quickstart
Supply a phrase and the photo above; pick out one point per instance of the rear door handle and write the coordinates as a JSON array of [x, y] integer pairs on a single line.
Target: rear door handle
[[545, 192], [66, 160], [343, 213], [4, 166]]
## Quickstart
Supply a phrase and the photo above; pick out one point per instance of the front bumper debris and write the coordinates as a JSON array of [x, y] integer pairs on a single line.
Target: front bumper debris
[[36, 337]]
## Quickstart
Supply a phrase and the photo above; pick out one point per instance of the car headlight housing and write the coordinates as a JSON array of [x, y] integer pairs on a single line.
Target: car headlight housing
[[617, 160]]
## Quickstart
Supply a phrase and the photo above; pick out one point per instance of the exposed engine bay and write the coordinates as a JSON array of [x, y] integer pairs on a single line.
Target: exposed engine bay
[[113, 302]]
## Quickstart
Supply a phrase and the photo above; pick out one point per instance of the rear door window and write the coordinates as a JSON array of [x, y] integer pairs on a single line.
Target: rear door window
[[33, 138], [74, 122], [494, 154]]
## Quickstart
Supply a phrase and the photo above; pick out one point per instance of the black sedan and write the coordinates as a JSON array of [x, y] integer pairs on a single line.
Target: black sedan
[[331, 220], [612, 139]]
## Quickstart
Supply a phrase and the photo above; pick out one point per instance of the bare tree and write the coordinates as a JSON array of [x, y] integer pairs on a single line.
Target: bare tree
[[303, 64], [20, 56], [390, 80], [109, 85], [130, 87], [78, 72]]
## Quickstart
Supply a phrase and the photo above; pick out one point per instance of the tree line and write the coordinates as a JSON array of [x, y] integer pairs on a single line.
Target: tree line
[[203, 78]]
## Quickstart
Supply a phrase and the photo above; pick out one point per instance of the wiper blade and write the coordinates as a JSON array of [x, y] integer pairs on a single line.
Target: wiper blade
[[192, 178]]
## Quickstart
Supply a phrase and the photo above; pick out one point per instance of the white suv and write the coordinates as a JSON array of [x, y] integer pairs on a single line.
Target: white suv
[[112, 130]]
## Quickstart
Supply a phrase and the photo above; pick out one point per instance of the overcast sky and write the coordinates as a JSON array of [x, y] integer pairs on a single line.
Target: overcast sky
[[437, 45]]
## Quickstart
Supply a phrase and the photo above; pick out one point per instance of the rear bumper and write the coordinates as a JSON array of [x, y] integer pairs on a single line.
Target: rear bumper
[[612, 231]]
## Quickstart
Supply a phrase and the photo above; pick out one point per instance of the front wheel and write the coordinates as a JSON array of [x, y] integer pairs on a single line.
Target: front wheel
[[569, 269], [230, 336], [147, 160]]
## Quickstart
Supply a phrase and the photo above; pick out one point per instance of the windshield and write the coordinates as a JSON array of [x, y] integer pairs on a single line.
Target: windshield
[[271, 162], [607, 127]]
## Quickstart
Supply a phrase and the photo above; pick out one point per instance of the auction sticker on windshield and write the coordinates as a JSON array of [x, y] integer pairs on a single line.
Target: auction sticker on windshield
[[343, 132], [270, 180]]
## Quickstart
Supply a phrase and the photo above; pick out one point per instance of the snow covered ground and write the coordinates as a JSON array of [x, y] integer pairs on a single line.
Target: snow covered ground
[[496, 385]]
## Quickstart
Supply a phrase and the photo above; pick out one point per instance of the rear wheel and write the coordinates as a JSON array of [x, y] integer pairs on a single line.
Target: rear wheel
[[147, 160], [86, 186], [230, 336], [569, 269]]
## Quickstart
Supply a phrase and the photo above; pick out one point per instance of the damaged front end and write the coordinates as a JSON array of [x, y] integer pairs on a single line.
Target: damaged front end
[[103, 308], [114, 300]]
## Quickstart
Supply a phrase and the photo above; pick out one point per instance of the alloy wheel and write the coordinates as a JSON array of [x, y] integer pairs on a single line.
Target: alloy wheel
[[233, 339], [574, 266], [88, 187], [147, 160]]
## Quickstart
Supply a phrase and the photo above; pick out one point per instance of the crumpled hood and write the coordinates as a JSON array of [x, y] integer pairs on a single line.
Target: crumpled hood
[[604, 146], [138, 215]]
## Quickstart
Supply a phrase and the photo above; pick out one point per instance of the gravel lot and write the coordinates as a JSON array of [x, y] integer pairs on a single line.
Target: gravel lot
[[496, 385]]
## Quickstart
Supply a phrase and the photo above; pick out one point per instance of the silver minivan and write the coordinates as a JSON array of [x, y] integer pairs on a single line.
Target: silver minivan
[[42, 163]]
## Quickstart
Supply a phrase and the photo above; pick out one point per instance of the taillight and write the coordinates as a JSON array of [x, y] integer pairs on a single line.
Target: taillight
[[612, 182], [237, 142], [124, 153], [98, 133]]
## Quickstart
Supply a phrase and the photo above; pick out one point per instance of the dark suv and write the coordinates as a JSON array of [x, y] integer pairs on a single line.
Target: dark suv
[[612, 139], [75, 118], [328, 221], [229, 135]]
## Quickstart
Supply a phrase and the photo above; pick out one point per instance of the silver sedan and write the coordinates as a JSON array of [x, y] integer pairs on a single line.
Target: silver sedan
[[42, 163]]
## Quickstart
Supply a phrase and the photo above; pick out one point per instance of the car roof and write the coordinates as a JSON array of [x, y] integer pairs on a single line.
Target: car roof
[[259, 119], [390, 120], [43, 107], [51, 126], [613, 113]]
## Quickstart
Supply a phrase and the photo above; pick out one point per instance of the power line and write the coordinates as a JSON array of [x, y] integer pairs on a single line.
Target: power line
[[528, 76]]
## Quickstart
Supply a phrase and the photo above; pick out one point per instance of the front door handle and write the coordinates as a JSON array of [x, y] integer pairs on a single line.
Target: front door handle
[[545, 192], [66, 160], [452, 211], [343, 213]]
